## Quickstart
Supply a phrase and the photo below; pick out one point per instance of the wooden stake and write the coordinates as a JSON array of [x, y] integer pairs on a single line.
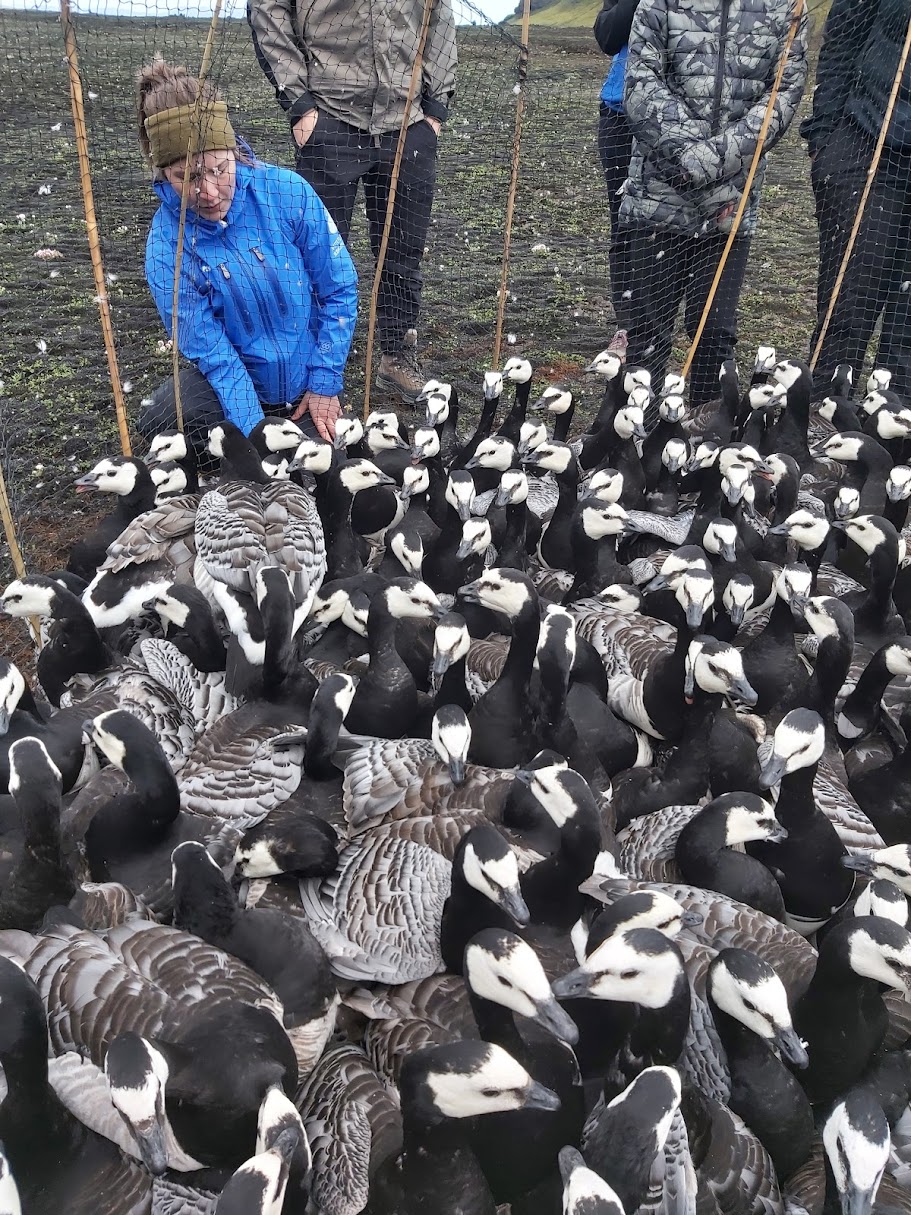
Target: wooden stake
[[91, 223], [182, 222], [862, 205], [742, 205], [390, 202], [513, 183]]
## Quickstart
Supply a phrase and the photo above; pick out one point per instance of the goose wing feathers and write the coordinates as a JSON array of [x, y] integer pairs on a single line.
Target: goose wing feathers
[[648, 844], [164, 533], [628, 643], [672, 1186], [204, 697], [735, 1168], [378, 917], [484, 664], [440, 832], [353, 1125]]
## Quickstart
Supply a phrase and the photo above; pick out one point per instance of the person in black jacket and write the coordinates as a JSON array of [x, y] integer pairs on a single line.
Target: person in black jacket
[[615, 145], [857, 66]]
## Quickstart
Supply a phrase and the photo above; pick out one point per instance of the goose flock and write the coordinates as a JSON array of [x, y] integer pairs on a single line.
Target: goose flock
[[518, 822]]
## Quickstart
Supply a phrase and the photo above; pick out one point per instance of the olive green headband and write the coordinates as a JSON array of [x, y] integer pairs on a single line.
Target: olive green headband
[[170, 132]]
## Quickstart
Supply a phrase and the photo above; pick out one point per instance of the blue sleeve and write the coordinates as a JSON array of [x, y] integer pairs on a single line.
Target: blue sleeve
[[334, 279], [201, 337]]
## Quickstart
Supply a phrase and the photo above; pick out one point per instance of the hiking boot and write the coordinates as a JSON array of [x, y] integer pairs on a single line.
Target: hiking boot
[[400, 374]]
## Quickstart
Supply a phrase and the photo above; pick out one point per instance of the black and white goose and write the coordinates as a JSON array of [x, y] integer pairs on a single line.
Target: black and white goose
[[129, 480], [584, 1192], [875, 618]]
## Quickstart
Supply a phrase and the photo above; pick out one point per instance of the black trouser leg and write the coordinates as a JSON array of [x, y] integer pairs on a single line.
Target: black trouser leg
[[879, 260], [200, 406], [333, 161], [657, 277], [895, 341], [399, 297], [719, 337], [615, 145]]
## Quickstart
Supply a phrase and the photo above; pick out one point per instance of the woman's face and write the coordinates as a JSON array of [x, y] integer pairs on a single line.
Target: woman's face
[[212, 182]]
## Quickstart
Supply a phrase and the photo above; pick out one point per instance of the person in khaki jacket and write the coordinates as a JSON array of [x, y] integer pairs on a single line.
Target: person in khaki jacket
[[341, 72]]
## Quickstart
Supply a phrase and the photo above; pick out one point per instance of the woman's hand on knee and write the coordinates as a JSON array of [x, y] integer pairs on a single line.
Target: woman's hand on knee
[[322, 409]]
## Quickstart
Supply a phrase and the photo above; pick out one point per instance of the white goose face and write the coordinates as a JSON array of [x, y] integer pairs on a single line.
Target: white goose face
[[556, 400], [476, 538], [893, 424], [787, 372], [640, 397], [111, 476], [765, 360], [739, 453], [415, 480], [675, 455], [736, 485], [171, 445], [799, 742], [738, 597], [313, 457], [23, 597], [757, 998], [778, 469], [618, 970], [705, 455], [718, 670], [898, 658], [276, 1113], [451, 735], [493, 385], [12, 686], [460, 494], [601, 521], [436, 388], [584, 1191], [426, 443], [408, 550], [766, 396], [866, 533], [501, 591], [497, 878], [880, 898], [641, 378], [497, 1083], [512, 977], [821, 615], [746, 822], [282, 435], [674, 385], [894, 864], [416, 602], [216, 442], [382, 420], [548, 785], [695, 592], [857, 1143], [513, 489], [808, 531], [348, 431], [879, 380], [361, 474], [874, 401], [327, 608], [827, 408], [380, 439], [137, 1074], [618, 598], [531, 436], [495, 453], [843, 448], [898, 483], [847, 502], [794, 582], [276, 466], [628, 422], [606, 485], [169, 479], [607, 364], [450, 642], [554, 457], [721, 539], [517, 370], [436, 410]]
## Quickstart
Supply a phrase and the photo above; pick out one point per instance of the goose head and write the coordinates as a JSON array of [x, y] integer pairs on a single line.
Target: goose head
[[878, 949], [531, 436], [382, 420], [740, 453], [349, 431], [637, 377], [672, 408], [460, 493], [137, 1074], [517, 370], [847, 502], [674, 455], [869, 532], [486, 863], [113, 475], [788, 371], [883, 898], [501, 967], [782, 467], [705, 455], [674, 385], [808, 531], [845, 448], [410, 599], [738, 597], [640, 909], [355, 612], [314, 456], [794, 584], [892, 864], [736, 484], [857, 1143], [451, 642], [32, 771], [599, 521], [695, 593], [720, 539], [800, 739], [31, 596], [502, 590], [608, 364], [747, 818], [258, 1187], [434, 388], [675, 564], [436, 409], [765, 360], [280, 434], [415, 480], [829, 617], [629, 422], [551, 457], [717, 669], [381, 438], [451, 737], [746, 987], [636, 965], [584, 1191], [493, 385], [361, 474], [898, 483], [329, 603], [465, 1080], [276, 466], [476, 539], [167, 446], [554, 399], [12, 689], [169, 479], [494, 452], [605, 485], [561, 792], [892, 423], [119, 736], [513, 488], [619, 598], [407, 547], [879, 380], [425, 444], [766, 396]]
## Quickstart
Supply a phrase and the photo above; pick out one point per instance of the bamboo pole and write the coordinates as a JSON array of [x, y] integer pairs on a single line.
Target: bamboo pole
[[513, 183], [182, 221], [91, 223], [15, 552], [864, 198], [744, 199], [390, 202]]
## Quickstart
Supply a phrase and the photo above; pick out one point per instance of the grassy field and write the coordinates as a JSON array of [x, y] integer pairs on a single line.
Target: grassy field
[[56, 414]]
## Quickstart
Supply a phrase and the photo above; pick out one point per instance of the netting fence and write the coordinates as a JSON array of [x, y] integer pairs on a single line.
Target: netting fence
[[56, 402]]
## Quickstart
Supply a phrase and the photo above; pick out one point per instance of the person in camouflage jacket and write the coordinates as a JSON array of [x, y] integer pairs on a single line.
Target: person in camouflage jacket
[[698, 80]]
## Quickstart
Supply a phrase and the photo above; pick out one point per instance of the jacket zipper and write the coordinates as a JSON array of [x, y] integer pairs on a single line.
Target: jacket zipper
[[719, 64], [274, 280]]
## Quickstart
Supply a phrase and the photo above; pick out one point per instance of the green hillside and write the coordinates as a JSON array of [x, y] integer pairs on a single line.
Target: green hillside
[[562, 13]]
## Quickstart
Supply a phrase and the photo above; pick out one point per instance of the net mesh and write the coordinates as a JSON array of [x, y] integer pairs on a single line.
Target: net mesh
[[56, 403]]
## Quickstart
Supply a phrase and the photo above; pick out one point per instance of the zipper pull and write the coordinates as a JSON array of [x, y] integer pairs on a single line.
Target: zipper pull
[[226, 273], [257, 254]]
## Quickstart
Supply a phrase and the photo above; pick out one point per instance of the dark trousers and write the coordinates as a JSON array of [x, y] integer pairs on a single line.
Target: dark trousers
[[665, 268], [880, 267], [334, 160], [615, 146], [201, 411]]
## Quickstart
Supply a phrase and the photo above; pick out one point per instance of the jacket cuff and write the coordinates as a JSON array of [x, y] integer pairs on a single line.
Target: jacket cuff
[[303, 105], [324, 382], [434, 109]]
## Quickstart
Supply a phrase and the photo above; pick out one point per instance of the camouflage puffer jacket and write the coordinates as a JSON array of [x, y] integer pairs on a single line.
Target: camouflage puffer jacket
[[698, 80]]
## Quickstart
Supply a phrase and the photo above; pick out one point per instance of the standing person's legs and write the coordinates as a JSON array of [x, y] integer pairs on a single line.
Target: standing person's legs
[[657, 279], [399, 297], [615, 145], [333, 161], [720, 334], [199, 404], [895, 341], [874, 272]]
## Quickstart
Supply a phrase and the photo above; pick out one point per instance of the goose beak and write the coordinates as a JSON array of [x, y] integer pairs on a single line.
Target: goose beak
[[694, 615], [464, 511], [465, 549], [729, 551], [744, 692], [540, 1098], [4, 720], [691, 919], [639, 431], [773, 771], [777, 835], [150, 1140], [85, 483], [338, 443], [737, 613], [791, 1047], [799, 604], [860, 862], [515, 906], [780, 529], [658, 583], [855, 1201], [539, 405], [438, 668], [457, 770], [469, 593], [550, 1016], [577, 984], [524, 776]]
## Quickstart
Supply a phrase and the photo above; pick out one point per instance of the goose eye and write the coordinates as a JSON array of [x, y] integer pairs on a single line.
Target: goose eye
[[490, 1092], [504, 982], [749, 1006], [629, 974]]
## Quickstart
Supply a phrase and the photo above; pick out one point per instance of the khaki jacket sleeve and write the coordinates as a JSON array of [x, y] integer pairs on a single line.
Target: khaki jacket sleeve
[[280, 54], [438, 74]]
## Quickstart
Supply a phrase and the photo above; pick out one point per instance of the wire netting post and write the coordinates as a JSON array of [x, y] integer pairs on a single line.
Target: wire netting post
[[748, 185], [513, 182], [91, 223]]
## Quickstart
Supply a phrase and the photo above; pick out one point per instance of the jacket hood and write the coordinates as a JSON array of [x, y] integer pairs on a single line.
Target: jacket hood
[[171, 199]]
